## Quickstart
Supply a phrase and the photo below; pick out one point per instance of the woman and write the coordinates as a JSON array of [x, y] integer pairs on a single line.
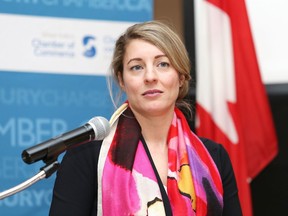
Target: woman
[[150, 163]]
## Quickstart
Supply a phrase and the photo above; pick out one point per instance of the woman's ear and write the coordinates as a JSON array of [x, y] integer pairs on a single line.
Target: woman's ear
[[120, 80], [181, 80]]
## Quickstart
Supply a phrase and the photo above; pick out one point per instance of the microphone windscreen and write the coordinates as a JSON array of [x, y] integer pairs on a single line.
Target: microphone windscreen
[[100, 126]]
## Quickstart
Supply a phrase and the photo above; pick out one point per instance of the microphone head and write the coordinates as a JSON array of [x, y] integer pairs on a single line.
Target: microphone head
[[100, 126]]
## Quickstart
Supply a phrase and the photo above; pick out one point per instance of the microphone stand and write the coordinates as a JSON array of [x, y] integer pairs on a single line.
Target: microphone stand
[[45, 172]]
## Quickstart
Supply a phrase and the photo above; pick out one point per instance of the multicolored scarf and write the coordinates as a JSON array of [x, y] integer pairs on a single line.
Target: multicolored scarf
[[127, 182]]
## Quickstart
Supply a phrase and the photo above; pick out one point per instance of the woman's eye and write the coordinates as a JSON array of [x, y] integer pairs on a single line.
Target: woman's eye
[[136, 67], [163, 64]]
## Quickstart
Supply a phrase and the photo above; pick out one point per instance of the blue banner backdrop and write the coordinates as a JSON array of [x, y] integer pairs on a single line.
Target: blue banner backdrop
[[52, 80], [115, 10]]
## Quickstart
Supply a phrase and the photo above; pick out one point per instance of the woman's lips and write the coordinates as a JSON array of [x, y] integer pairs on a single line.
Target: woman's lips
[[152, 92]]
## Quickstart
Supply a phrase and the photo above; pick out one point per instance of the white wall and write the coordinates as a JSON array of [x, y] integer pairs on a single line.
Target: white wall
[[269, 23]]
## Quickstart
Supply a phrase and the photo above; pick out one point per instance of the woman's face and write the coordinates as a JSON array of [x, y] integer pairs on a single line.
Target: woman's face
[[150, 81]]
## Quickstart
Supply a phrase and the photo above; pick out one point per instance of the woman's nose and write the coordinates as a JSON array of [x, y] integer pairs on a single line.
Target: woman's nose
[[150, 75]]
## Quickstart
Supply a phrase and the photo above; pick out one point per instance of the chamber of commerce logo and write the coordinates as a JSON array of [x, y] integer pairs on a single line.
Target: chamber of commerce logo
[[89, 46]]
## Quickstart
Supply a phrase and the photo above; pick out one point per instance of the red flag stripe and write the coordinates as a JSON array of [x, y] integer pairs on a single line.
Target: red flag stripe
[[230, 95]]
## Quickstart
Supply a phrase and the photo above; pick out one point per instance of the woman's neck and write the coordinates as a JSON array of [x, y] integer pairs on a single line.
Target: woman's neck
[[155, 128]]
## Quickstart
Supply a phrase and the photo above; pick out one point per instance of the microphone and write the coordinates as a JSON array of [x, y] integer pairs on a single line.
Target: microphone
[[96, 128]]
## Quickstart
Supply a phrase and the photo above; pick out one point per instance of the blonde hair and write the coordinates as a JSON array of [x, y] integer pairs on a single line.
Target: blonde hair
[[163, 37]]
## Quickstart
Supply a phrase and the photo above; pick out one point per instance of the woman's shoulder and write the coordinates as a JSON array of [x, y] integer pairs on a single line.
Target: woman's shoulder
[[212, 146], [218, 154], [86, 153], [224, 166], [209, 144]]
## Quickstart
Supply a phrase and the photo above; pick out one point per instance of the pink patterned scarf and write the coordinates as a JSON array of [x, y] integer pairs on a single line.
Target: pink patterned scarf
[[127, 183]]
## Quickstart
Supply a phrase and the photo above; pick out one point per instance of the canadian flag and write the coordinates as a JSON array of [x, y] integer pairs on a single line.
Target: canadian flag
[[231, 103]]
